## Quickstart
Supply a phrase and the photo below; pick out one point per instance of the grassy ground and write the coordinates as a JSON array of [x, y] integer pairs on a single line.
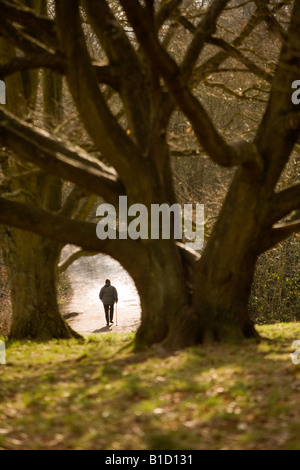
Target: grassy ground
[[100, 395]]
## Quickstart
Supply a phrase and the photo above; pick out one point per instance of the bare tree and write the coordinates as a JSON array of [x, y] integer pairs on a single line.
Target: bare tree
[[185, 299]]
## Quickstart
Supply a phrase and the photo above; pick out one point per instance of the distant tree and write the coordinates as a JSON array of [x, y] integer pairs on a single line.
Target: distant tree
[[186, 299]]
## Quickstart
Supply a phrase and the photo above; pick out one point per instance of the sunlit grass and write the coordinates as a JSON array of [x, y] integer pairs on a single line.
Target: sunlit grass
[[99, 394]]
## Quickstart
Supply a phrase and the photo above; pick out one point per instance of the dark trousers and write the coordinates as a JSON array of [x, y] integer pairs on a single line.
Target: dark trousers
[[109, 312]]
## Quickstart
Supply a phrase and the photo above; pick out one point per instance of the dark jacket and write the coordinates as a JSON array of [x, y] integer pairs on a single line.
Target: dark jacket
[[108, 294]]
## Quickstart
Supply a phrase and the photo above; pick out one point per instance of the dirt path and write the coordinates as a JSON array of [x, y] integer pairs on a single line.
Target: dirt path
[[87, 276], [94, 322]]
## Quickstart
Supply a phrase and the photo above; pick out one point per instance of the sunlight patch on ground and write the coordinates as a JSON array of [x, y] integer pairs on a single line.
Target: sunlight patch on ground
[[87, 276]]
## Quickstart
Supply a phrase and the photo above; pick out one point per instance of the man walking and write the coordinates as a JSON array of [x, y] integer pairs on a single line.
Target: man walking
[[109, 295]]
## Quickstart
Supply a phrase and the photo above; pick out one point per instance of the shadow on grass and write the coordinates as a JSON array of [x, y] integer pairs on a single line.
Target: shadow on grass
[[106, 397]]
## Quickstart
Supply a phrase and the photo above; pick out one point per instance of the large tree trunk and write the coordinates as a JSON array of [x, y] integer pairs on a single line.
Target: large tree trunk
[[31, 262], [224, 274], [217, 307], [222, 296], [161, 283]]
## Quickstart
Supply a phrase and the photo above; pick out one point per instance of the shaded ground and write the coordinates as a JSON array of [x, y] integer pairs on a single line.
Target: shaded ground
[[98, 394]]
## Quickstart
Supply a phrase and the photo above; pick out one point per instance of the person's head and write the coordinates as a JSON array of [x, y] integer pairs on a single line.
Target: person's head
[[107, 282]]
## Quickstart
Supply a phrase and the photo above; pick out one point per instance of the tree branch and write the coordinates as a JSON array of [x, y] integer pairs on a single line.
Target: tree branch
[[119, 50], [40, 27], [236, 54], [109, 137], [270, 19], [166, 11], [279, 233], [203, 32], [65, 231], [212, 64], [21, 39], [85, 207], [69, 162], [276, 147], [71, 202], [231, 51], [108, 74], [68, 260], [284, 202], [40, 60], [207, 134]]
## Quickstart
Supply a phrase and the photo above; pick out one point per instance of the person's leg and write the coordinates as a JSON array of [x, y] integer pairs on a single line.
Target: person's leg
[[106, 308], [111, 313]]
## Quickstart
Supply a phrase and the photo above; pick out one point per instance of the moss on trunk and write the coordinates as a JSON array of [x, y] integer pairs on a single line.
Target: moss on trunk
[[31, 262]]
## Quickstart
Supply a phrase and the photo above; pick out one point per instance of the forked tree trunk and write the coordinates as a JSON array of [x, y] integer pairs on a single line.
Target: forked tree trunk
[[31, 262], [217, 310]]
